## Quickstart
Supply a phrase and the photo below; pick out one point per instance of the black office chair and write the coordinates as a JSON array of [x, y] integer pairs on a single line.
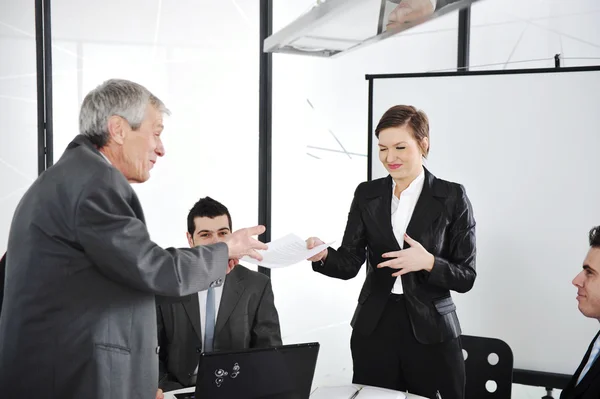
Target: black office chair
[[488, 367]]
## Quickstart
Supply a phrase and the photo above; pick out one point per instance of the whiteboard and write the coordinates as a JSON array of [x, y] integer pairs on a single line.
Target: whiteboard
[[526, 146]]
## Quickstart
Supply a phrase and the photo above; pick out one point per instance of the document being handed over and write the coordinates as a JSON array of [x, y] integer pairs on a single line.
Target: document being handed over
[[285, 251]]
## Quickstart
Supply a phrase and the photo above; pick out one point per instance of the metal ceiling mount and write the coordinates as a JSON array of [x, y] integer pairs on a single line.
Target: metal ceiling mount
[[334, 27]]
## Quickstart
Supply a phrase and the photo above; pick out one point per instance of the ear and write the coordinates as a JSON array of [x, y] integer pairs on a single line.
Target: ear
[[190, 239], [117, 129], [425, 146]]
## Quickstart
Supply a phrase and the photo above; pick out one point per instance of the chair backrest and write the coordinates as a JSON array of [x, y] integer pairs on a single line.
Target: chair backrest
[[488, 367]]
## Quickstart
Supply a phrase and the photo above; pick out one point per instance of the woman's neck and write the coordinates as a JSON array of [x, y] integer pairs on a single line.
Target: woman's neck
[[402, 184]]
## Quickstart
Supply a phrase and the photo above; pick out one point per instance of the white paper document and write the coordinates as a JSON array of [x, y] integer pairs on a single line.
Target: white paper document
[[379, 393], [341, 392], [285, 251]]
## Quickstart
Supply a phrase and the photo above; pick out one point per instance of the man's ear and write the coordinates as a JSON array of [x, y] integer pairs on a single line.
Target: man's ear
[[117, 128], [190, 239]]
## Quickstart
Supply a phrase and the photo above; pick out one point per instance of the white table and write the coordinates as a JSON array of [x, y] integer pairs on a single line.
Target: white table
[[170, 394]]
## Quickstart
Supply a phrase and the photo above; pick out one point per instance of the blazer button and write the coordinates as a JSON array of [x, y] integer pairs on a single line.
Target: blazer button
[[198, 350], [157, 350]]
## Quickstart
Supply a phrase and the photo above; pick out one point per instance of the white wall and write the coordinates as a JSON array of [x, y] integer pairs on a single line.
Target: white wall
[[18, 108]]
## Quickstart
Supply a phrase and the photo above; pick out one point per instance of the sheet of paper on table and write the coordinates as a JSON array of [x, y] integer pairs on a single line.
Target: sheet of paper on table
[[285, 251], [340, 392]]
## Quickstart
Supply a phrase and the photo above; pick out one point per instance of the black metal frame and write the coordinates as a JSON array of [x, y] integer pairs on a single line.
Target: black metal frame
[[370, 136], [370, 78], [265, 125], [520, 376], [464, 38], [43, 50]]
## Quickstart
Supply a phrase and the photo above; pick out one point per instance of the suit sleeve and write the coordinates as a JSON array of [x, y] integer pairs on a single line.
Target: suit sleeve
[[456, 272], [351, 255], [265, 329], [118, 244], [166, 381]]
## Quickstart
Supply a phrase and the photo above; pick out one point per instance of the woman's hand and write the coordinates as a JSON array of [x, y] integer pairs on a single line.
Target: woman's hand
[[409, 260], [315, 242]]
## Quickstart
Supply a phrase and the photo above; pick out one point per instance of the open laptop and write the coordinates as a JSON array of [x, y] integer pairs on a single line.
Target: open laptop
[[283, 372]]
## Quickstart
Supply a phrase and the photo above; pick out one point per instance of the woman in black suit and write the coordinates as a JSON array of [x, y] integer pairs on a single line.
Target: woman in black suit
[[417, 234]]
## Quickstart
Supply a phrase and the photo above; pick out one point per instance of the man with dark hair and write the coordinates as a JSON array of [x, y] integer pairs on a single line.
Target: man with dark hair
[[585, 383], [238, 314]]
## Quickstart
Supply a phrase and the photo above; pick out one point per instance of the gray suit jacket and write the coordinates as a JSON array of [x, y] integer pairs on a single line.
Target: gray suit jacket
[[79, 315], [247, 318]]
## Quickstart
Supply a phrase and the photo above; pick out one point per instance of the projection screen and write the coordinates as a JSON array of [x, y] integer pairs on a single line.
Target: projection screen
[[526, 146]]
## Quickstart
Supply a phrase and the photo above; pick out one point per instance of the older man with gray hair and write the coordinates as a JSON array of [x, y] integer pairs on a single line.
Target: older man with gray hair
[[79, 317]]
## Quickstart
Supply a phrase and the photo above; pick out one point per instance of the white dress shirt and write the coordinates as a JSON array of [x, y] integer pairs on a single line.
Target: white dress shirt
[[402, 210], [202, 303]]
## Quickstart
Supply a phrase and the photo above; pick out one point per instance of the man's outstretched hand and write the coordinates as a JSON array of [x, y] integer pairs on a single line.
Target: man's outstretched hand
[[241, 243]]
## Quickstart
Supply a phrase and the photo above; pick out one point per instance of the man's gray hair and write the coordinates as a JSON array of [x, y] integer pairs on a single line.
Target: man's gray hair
[[119, 97]]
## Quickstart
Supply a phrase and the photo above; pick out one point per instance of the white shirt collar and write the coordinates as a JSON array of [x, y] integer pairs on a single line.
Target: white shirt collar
[[414, 187], [105, 157]]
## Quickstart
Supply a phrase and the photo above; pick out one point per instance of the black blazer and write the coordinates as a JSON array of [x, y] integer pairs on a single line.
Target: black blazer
[[247, 318], [442, 222], [589, 387]]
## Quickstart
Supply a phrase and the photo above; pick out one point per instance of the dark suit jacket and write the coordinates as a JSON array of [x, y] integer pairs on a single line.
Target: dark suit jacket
[[247, 318], [589, 387], [79, 315], [442, 222]]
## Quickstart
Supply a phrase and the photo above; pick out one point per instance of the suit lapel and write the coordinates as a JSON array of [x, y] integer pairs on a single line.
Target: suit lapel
[[379, 209], [192, 308], [232, 292], [427, 209]]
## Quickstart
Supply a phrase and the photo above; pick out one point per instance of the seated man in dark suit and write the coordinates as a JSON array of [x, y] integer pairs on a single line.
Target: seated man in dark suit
[[243, 305], [585, 384]]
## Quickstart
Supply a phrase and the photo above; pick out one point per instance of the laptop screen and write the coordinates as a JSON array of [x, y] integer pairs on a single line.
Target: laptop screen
[[283, 372]]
